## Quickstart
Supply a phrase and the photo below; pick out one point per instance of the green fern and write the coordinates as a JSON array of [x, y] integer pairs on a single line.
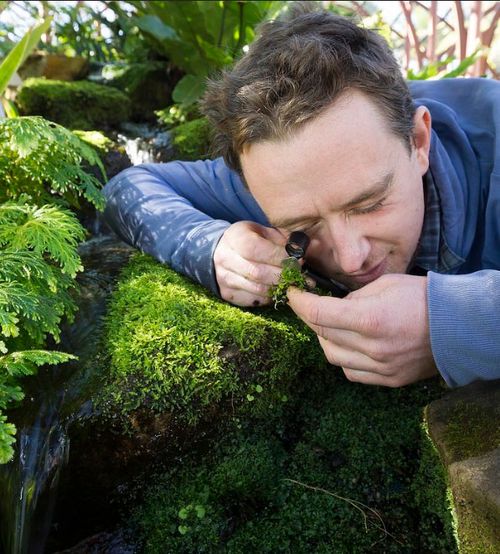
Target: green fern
[[44, 230], [41, 158], [13, 365], [38, 263], [40, 171]]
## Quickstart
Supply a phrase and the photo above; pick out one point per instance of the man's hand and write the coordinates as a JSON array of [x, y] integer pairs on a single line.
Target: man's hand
[[379, 334], [247, 262]]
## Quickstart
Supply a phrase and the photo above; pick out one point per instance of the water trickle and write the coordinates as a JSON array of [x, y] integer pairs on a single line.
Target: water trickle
[[144, 143]]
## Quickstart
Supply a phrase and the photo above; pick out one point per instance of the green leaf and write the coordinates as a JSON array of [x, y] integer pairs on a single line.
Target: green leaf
[[462, 66], [200, 512], [10, 108], [183, 529], [154, 26], [183, 513], [7, 432], [20, 52], [189, 89]]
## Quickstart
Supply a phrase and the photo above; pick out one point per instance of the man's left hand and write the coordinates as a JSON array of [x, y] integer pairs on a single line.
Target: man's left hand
[[378, 334]]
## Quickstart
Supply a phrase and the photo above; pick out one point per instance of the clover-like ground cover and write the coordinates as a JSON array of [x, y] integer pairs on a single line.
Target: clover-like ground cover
[[302, 460]]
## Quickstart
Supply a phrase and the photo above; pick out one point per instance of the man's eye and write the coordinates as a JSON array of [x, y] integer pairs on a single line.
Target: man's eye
[[368, 209]]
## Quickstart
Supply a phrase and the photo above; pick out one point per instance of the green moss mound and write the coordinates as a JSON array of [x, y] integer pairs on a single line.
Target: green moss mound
[[75, 105], [175, 348], [191, 140], [347, 469]]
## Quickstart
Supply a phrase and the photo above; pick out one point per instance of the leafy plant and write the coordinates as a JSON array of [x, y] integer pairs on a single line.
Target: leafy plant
[[17, 55], [38, 247], [38, 263], [199, 37], [40, 158]]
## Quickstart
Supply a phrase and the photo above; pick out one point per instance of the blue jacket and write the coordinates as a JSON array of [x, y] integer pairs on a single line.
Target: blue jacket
[[178, 211]]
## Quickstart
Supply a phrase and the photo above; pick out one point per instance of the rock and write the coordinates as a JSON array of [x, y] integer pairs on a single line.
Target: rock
[[75, 105], [477, 501], [54, 66], [190, 362], [465, 428], [191, 140]]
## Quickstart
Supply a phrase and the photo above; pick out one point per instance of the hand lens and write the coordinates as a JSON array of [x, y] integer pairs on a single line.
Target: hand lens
[[297, 244]]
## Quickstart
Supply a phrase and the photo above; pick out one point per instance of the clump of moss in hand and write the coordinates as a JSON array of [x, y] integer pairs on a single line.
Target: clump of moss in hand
[[291, 276]]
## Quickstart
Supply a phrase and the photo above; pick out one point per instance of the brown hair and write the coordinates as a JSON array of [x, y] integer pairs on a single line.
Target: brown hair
[[293, 71]]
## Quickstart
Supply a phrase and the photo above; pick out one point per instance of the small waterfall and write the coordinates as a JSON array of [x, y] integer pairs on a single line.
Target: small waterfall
[[29, 482], [144, 143]]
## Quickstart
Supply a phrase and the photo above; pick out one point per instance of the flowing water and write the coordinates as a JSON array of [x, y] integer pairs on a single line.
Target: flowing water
[[144, 143]]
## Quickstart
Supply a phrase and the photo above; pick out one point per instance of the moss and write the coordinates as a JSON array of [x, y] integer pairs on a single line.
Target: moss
[[312, 481], [477, 533], [175, 348], [191, 140], [291, 275], [433, 497], [75, 105], [472, 430]]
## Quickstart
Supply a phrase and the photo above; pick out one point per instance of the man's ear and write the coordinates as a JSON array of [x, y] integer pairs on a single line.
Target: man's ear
[[422, 137]]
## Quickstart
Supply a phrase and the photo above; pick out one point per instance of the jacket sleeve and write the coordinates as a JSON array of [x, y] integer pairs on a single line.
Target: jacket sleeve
[[178, 211], [464, 315]]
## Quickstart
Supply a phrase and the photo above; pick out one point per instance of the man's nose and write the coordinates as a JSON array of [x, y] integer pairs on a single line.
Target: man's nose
[[350, 248]]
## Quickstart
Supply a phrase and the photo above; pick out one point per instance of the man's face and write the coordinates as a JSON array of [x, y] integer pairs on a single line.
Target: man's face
[[348, 182]]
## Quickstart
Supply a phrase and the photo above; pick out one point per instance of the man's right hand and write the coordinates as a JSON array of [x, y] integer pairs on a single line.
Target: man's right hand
[[247, 262]]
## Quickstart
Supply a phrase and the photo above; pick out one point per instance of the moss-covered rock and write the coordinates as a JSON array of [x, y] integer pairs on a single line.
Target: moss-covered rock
[[347, 470], [191, 140], [173, 347], [75, 105], [256, 444], [464, 425]]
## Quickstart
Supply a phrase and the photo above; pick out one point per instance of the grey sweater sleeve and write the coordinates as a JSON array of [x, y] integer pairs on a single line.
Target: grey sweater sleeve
[[178, 211], [464, 315]]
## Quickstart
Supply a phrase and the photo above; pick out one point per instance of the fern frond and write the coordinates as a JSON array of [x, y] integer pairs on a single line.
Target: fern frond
[[25, 362], [7, 437], [22, 264], [38, 156], [47, 230]]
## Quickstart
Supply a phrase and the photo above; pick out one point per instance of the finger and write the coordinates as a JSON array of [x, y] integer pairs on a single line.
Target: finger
[[272, 234], [231, 280], [323, 312], [261, 250], [345, 357], [369, 378], [244, 299]]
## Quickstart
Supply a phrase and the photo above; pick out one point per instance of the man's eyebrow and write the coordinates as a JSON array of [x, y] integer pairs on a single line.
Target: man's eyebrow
[[378, 189]]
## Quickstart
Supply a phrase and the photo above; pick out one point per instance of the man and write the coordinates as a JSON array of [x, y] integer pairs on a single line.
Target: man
[[399, 194]]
